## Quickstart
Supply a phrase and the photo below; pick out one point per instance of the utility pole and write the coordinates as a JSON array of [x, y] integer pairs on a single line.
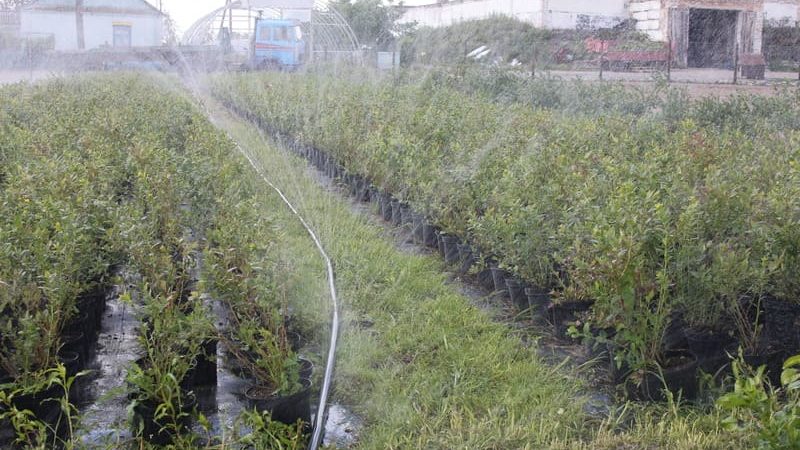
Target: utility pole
[[736, 63], [669, 60], [79, 24], [602, 58]]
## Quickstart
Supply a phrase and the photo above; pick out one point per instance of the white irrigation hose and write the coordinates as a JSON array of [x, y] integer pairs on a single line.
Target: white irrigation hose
[[319, 423]]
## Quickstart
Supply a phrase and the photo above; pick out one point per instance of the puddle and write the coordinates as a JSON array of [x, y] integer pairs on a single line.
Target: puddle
[[102, 395], [341, 427], [221, 404]]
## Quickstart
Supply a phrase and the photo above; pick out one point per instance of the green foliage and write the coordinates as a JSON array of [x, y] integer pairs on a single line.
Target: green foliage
[[260, 432], [374, 22], [102, 171], [644, 205], [512, 39], [31, 432], [755, 407]]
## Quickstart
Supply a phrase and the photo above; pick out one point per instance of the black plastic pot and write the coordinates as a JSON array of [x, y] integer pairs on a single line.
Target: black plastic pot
[[516, 292], [679, 375], [337, 171], [674, 337], [386, 207], [153, 430], [406, 216], [93, 304], [396, 218], [781, 323], [485, 278], [364, 193], [296, 340], [374, 195], [286, 409], [71, 361], [417, 227], [75, 342], [80, 323], [562, 314], [450, 245], [204, 370], [430, 235], [772, 359], [618, 374], [466, 256], [538, 300], [499, 280], [353, 183], [45, 404], [440, 243], [706, 343]]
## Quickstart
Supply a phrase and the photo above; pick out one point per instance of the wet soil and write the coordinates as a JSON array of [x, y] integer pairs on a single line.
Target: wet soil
[[102, 395], [341, 427], [102, 399]]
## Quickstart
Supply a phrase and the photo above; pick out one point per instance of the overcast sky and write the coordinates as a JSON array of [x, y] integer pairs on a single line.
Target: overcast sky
[[186, 12]]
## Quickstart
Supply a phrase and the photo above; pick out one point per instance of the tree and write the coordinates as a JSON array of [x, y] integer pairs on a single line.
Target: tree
[[373, 22]]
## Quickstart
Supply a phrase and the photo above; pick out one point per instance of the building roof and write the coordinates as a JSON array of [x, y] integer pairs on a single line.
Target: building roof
[[100, 6]]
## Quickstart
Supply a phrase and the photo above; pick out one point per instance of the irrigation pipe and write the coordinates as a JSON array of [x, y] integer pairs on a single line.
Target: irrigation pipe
[[319, 423]]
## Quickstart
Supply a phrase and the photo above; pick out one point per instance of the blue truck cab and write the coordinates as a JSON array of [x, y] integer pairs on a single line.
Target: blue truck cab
[[277, 43]]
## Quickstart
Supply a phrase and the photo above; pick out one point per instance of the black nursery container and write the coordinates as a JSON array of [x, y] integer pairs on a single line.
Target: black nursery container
[[499, 279], [286, 409], [516, 292], [159, 431], [430, 235], [450, 246], [680, 376], [204, 371]]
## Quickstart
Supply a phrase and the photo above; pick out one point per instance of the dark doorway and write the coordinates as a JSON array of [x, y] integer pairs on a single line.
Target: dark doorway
[[712, 36]]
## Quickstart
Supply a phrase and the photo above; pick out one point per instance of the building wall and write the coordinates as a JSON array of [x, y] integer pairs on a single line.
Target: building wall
[[782, 9], [567, 14], [146, 30], [60, 25], [648, 15], [556, 14], [439, 15]]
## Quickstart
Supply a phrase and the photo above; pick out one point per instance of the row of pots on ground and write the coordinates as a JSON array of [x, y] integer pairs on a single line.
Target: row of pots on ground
[[287, 409], [680, 364], [687, 350], [78, 342]]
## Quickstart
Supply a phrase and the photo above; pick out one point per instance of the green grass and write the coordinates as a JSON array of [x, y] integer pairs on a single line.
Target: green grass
[[434, 371]]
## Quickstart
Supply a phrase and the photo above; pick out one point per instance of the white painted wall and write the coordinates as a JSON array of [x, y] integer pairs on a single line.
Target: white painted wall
[[566, 14], [778, 10], [542, 13], [146, 31], [61, 25], [448, 13]]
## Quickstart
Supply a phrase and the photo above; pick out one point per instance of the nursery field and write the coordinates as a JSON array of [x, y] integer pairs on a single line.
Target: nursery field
[[661, 232], [156, 292], [118, 195]]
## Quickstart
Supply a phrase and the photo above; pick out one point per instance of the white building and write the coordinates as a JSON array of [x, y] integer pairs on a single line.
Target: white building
[[89, 24], [703, 33], [553, 14], [567, 14]]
